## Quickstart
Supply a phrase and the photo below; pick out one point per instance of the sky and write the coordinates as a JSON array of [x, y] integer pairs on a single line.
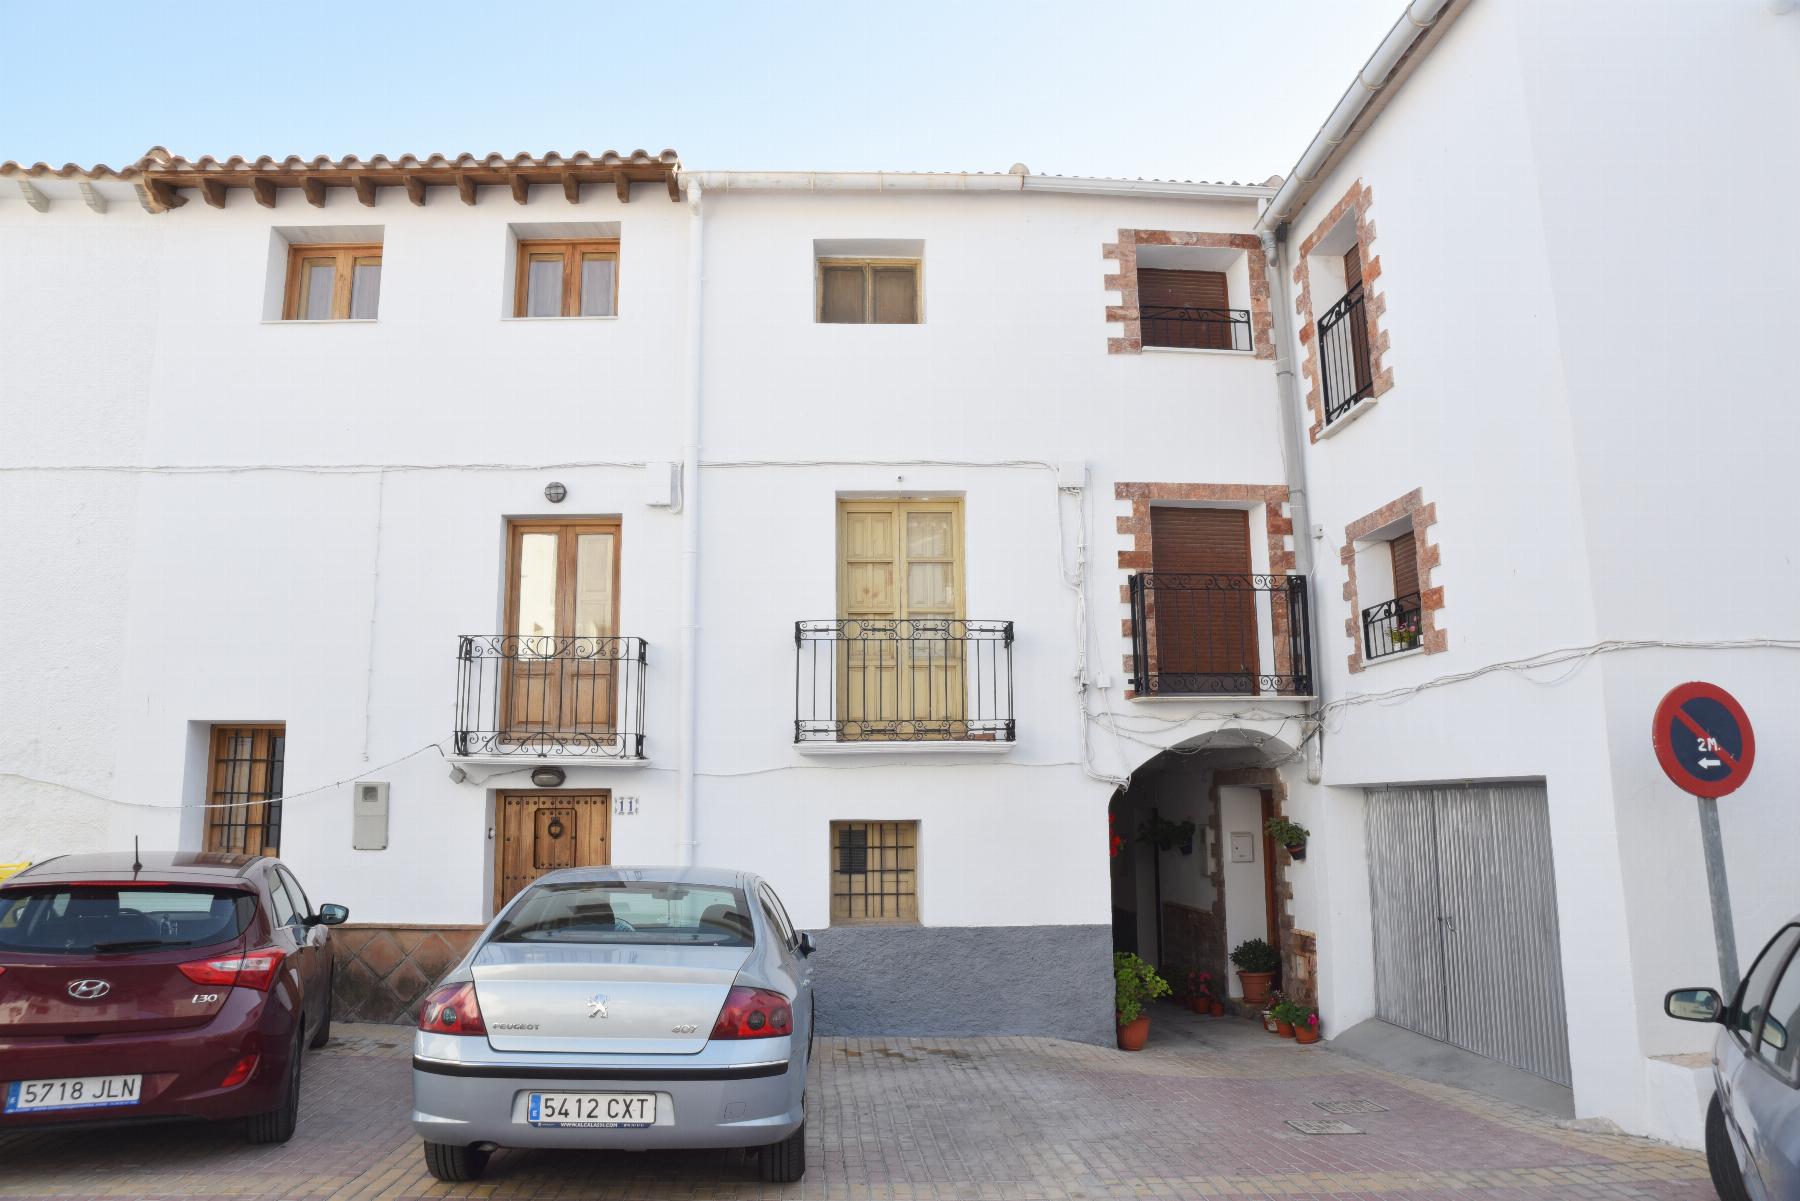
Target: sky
[[1206, 89]]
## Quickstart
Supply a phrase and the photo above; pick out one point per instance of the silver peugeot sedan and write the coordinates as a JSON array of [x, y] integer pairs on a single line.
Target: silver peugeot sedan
[[1753, 1122], [622, 1008]]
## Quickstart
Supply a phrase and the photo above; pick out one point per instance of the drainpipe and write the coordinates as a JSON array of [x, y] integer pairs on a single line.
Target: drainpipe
[[1287, 395], [689, 721]]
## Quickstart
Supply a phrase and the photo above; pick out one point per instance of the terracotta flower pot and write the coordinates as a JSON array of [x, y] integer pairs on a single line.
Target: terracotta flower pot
[[1306, 1034], [1133, 1034], [1285, 1029], [1217, 1008], [1256, 986], [1199, 1004]]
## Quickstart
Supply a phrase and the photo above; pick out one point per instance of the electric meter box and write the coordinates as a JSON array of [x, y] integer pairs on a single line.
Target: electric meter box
[[369, 815]]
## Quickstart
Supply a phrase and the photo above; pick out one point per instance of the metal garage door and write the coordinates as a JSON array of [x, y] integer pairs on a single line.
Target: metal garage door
[[1464, 897]]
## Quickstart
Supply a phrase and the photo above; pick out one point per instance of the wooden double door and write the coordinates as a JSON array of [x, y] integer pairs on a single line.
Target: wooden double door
[[562, 609], [539, 832]]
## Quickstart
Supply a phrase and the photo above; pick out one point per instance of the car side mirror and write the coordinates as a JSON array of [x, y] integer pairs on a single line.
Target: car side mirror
[[807, 945], [1694, 1005], [329, 915]]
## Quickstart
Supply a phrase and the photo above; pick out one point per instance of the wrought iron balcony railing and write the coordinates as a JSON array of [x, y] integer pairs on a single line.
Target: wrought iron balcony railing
[[1344, 355], [1391, 627], [550, 696], [1220, 635], [923, 680], [1196, 329]]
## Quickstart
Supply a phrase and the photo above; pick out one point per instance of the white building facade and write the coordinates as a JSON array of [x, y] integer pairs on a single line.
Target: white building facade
[[887, 534]]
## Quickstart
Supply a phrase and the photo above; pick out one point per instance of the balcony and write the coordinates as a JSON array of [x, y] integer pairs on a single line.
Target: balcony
[[887, 682], [1392, 627], [1344, 355], [544, 696], [1196, 329], [1220, 635]]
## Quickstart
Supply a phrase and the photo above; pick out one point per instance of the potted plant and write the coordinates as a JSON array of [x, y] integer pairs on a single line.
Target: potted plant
[[1268, 1012], [1134, 983], [1256, 963], [1287, 1015], [1406, 633], [1202, 1000], [1306, 1030], [1291, 835], [1166, 835]]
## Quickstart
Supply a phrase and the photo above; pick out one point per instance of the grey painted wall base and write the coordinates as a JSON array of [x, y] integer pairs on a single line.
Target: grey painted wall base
[[1054, 981]]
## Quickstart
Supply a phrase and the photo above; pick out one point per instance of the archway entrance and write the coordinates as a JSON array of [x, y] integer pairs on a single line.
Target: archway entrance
[[1197, 875]]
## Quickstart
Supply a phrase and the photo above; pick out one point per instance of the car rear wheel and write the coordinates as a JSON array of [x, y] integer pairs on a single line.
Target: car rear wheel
[[277, 1126], [1721, 1156], [447, 1162], [784, 1162]]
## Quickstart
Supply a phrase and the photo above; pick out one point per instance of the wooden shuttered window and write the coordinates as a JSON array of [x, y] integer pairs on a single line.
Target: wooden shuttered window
[[243, 795], [332, 283], [1404, 550], [874, 872], [1184, 308], [868, 292], [1359, 325], [1202, 624], [567, 279]]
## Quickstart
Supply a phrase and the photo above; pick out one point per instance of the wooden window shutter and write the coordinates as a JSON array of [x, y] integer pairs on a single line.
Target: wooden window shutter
[[1199, 540], [1184, 289], [1353, 269], [1160, 290], [841, 298], [1406, 564]]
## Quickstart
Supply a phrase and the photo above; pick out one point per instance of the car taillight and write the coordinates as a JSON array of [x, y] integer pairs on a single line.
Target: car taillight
[[754, 1013], [252, 969], [452, 1009]]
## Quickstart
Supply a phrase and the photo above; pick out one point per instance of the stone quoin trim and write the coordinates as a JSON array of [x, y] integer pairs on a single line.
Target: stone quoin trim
[[1357, 200], [1125, 283], [1278, 525], [1431, 597]]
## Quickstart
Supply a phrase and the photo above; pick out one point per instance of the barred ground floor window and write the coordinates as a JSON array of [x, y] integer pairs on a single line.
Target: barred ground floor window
[[243, 795], [874, 872]]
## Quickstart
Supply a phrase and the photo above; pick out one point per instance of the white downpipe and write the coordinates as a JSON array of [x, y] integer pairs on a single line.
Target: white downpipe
[[1419, 16], [685, 840]]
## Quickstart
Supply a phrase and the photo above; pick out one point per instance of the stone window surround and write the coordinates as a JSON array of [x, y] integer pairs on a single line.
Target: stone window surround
[[1356, 201], [1278, 525], [1125, 283], [1432, 638]]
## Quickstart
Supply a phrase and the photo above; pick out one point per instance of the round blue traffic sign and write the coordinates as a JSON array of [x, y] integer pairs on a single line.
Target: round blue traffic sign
[[1703, 739]]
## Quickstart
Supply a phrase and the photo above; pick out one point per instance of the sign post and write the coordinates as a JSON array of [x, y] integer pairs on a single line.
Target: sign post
[[1704, 743]]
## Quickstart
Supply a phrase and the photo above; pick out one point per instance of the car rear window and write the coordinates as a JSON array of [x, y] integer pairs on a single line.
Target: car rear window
[[87, 919], [637, 912]]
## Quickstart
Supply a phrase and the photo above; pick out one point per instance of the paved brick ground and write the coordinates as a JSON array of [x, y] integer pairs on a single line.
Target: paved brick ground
[[1202, 1112]]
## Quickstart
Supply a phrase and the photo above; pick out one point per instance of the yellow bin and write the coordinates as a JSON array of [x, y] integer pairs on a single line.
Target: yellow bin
[[12, 869]]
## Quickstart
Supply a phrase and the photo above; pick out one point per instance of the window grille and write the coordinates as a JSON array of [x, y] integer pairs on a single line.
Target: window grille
[[243, 797], [874, 872]]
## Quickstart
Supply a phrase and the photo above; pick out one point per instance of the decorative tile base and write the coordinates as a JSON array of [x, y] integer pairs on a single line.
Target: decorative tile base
[[382, 973]]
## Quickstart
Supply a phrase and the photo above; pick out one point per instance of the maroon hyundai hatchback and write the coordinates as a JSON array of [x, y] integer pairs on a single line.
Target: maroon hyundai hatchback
[[166, 986]]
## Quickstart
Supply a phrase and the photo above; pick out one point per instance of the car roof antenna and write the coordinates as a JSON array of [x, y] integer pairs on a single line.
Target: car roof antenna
[[137, 860]]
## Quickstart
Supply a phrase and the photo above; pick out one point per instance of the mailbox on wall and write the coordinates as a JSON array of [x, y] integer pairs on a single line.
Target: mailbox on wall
[[369, 823]]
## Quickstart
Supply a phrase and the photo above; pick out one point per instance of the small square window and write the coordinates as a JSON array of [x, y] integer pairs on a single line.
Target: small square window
[[868, 291], [874, 872], [327, 282], [567, 279], [243, 812]]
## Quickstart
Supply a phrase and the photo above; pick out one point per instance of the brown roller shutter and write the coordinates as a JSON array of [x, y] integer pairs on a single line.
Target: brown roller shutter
[[1159, 288], [1406, 565], [1205, 628], [1352, 269]]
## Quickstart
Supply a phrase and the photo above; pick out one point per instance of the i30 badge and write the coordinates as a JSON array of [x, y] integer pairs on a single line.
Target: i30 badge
[[597, 1005], [89, 990]]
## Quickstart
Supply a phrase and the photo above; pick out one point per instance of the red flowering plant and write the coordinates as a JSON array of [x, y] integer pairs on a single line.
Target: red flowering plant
[[1203, 985], [1115, 840]]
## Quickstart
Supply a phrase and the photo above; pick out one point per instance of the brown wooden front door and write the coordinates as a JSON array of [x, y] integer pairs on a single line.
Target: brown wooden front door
[[538, 832], [1205, 617]]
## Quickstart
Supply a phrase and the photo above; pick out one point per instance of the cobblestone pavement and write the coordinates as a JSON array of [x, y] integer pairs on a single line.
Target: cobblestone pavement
[[1203, 1111]]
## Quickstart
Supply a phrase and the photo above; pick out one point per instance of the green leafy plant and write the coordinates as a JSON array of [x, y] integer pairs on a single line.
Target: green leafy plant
[[1134, 983], [1287, 833], [1166, 835], [1255, 955], [1292, 1014]]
